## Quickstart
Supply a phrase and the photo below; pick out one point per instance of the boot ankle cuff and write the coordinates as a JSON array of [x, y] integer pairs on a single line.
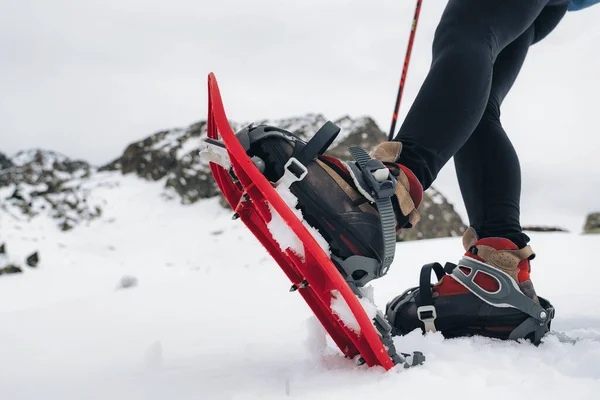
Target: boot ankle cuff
[[387, 151], [409, 192]]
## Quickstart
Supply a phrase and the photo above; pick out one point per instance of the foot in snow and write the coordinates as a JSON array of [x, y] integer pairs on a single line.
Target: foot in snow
[[489, 293]]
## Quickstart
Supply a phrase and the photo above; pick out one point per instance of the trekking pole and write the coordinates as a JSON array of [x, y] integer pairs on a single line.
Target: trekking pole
[[413, 31]]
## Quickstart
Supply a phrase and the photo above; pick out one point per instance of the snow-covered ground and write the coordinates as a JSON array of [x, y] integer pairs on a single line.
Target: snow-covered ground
[[211, 316]]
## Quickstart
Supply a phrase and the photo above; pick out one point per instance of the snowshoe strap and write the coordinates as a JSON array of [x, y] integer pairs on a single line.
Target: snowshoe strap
[[376, 178], [507, 295], [531, 327], [317, 144], [425, 309], [425, 295], [252, 134], [303, 152]]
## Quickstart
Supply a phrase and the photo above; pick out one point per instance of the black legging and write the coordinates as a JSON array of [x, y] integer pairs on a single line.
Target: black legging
[[478, 50]]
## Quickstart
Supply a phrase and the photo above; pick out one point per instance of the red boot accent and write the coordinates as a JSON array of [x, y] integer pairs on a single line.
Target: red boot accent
[[416, 190], [448, 286]]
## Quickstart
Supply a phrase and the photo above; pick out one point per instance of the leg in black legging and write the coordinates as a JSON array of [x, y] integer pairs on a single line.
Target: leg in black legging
[[455, 93], [487, 165]]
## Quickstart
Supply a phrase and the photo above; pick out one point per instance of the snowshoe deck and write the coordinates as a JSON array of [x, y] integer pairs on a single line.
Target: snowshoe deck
[[313, 276]]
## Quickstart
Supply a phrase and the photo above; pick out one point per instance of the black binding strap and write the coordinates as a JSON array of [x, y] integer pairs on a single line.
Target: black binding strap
[[425, 297], [363, 171], [426, 312], [318, 143]]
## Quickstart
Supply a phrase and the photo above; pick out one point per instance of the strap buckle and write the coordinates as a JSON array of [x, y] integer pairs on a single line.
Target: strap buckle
[[427, 315], [215, 151], [379, 179], [293, 171]]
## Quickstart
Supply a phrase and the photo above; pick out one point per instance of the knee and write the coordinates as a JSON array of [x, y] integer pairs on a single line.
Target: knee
[[490, 121], [492, 111]]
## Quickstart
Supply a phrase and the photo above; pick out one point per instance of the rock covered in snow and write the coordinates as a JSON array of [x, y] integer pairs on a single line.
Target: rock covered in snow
[[5, 162], [33, 259], [41, 181], [174, 155], [592, 223], [7, 264], [438, 219]]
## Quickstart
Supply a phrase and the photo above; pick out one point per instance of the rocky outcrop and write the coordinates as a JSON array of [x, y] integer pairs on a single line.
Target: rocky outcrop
[[173, 155], [438, 219], [592, 223], [5, 162], [40, 181], [8, 266]]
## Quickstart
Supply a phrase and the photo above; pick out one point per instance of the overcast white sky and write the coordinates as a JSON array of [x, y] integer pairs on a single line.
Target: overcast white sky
[[86, 77]]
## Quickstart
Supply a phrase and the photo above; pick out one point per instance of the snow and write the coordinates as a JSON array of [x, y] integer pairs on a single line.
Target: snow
[[341, 308], [169, 140], [281, 231], [191, 144], [48, 157], [211, 316], [349, 125]]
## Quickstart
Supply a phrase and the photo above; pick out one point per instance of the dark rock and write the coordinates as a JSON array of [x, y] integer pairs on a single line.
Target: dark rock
[[172, 154], [127, 281], [5, 162], [151, 165], [191, 180], [10, 269], [33, 260], [438, 219], [592, 223], [49, 182], [3, 248], [15, 195], [362, 132], [65, 226], [544, 229]]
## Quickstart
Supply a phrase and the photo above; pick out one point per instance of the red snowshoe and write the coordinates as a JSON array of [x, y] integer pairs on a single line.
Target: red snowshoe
[[270, 178]]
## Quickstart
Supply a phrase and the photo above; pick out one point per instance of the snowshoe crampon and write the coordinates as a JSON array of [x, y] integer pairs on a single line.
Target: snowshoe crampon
[[255, 201]]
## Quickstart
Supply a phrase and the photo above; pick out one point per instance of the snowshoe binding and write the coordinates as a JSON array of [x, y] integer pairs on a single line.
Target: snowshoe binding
[[354, 205], [488, 293]]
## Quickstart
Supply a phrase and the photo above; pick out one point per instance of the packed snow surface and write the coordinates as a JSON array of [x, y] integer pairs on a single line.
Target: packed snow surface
[[340, 307], [285, 237], [209, 316]]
